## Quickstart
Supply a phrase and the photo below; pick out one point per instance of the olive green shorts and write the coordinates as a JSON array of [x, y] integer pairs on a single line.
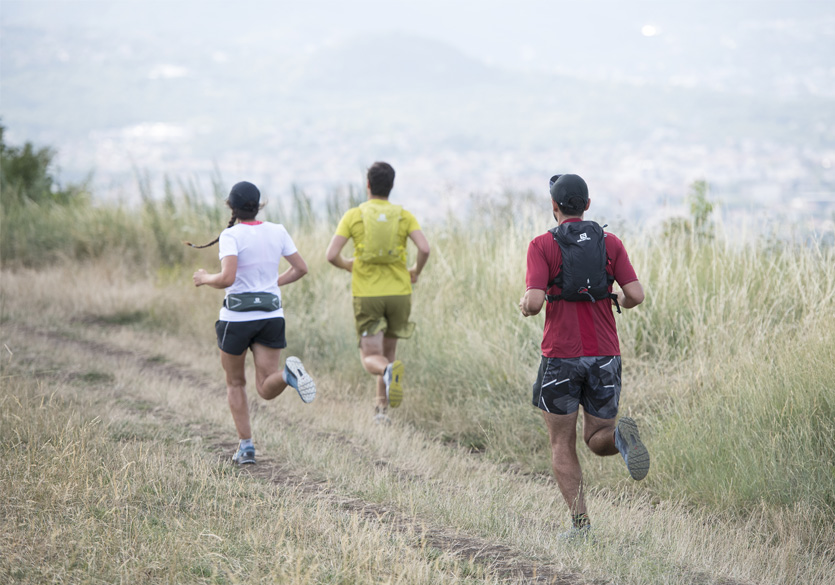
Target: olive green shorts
[[387, 314]]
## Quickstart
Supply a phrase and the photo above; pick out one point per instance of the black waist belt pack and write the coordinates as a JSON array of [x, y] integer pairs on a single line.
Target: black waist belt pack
[[256, 301]]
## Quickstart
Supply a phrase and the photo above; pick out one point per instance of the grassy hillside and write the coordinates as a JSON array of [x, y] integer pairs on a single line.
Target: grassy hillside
[[112, 390]]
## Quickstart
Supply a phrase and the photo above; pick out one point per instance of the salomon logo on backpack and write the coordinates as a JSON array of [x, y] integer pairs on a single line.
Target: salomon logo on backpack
[[582, 275], [381, 242]]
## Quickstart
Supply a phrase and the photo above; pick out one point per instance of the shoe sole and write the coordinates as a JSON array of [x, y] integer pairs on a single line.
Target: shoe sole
[[307, 387], [637, 456], [395, 389]]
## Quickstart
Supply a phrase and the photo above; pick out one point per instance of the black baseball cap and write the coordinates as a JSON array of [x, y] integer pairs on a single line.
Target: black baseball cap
[[244, 195], [570, 192]]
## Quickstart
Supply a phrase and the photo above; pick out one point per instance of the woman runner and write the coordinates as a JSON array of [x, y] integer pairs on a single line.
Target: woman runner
[[252, 316]]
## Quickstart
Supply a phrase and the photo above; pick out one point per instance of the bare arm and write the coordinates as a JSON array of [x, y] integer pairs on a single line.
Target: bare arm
[[334, 254], [223, 279], [532, 301], [631, 295], [298, 268], [422, 254]]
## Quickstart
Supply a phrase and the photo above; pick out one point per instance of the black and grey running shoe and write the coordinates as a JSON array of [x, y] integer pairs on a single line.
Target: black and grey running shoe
[[628, 442]]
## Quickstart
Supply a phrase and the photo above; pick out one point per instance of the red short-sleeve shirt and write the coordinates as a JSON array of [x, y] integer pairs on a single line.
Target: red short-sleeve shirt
[[575, 329]]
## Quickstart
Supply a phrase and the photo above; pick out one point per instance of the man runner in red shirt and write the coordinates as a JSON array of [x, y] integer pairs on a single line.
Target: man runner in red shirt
[[580, 356]]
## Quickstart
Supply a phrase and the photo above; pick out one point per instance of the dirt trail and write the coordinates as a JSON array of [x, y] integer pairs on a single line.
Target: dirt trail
[[506, 563], [502, 561]]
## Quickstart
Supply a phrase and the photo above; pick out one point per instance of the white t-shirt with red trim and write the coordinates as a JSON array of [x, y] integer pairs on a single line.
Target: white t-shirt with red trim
[[259, 246]]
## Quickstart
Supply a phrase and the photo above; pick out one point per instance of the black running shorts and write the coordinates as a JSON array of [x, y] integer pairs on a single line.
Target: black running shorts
[[234, 337], [562, 384]]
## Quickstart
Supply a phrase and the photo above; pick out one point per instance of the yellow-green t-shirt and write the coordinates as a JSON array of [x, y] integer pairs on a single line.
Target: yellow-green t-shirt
[[377, 280]]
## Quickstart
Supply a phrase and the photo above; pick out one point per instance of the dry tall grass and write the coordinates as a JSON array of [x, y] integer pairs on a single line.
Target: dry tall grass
[[727, 367]]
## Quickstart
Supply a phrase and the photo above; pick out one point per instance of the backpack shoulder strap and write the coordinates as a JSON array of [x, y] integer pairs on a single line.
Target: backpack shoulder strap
[[557, 278]]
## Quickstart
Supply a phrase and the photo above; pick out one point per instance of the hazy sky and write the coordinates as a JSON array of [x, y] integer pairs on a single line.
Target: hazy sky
[[70, 65], [618, 38]]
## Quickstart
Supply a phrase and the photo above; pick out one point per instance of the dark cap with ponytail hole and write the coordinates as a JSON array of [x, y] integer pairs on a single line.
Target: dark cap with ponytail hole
[[244, 196]]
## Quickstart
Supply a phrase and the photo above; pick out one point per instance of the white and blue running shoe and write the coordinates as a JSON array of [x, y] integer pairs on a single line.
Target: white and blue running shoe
[[298, 378]]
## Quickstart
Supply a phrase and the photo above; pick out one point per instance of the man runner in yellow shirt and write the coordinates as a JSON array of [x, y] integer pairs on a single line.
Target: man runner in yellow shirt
[[381, 284]]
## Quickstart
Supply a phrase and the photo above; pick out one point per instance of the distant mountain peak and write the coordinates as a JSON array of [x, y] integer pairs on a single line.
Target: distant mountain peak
[[389, 61]]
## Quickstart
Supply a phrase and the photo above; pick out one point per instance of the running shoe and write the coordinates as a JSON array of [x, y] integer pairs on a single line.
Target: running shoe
[[298, 378], [393, 377], [380, 416], [576, 535], [244, 456], [628, 442]]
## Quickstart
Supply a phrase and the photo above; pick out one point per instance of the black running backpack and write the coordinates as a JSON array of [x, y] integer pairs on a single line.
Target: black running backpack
[[582, 275]]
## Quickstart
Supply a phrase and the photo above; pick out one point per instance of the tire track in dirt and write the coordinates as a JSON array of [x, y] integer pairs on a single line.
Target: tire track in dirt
[[500, 560]]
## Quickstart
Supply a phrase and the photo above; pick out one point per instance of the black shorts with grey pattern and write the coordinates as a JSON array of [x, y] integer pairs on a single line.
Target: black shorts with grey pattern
[[562, 384]]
